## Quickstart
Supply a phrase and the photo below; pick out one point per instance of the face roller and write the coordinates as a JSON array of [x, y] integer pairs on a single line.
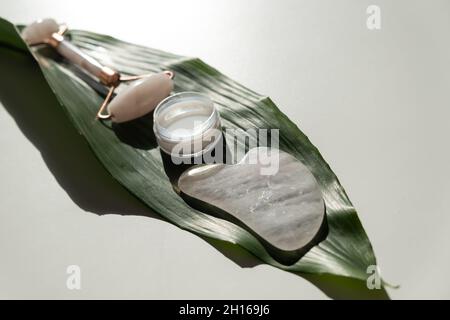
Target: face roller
[[133, 102]]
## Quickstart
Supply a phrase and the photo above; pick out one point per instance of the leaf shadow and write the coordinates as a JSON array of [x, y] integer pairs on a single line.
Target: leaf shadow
[[69, 158], [334, 287], [65, 152]]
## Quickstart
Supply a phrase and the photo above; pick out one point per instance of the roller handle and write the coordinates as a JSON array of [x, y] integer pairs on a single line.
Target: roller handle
[[69, 51]]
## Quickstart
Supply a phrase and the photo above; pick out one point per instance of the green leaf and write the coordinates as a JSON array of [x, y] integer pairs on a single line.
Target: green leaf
[[131, 156]]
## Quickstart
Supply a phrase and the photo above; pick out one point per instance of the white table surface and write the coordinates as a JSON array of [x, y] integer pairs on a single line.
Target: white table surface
[[375, 103]]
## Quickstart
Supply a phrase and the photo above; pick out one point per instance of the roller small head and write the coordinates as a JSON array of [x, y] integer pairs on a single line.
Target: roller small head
[[39, 31], [141, 98]]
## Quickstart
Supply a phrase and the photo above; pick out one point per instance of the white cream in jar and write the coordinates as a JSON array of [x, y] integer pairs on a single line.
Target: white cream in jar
[[187, 125]]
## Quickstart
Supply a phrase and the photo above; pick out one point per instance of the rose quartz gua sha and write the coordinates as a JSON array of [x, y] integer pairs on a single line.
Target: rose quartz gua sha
[[281, 204]]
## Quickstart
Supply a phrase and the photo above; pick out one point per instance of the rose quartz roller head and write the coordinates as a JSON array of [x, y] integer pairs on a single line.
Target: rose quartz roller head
[[133, 102]]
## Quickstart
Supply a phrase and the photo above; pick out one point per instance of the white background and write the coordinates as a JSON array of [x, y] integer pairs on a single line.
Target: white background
[[375, 103]]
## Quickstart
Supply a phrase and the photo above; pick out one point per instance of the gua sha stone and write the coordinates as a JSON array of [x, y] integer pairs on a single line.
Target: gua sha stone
[[285, 210]]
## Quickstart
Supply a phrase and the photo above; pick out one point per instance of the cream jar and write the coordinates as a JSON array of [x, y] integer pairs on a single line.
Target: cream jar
[[186, 126]]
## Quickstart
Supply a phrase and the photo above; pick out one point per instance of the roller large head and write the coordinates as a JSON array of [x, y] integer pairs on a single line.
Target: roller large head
[[140, 98], [40, 31]]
